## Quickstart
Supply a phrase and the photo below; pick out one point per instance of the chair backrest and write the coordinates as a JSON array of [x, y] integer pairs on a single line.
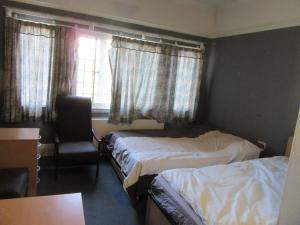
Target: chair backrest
[[73, 118]]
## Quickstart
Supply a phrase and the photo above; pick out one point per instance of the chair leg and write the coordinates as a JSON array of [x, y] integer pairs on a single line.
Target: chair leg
[[97, 171], [56, 167], [56, 172], [56, 153]]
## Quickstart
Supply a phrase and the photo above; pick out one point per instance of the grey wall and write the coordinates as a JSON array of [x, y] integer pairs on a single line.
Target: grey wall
[[254, 88]]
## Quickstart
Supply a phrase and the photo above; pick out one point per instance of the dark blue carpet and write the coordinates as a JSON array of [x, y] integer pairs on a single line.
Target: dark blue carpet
[[104, 201]]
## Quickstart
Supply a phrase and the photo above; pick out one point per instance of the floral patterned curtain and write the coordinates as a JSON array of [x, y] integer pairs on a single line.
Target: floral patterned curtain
[[40, 62], [155, 81], [63, 75]]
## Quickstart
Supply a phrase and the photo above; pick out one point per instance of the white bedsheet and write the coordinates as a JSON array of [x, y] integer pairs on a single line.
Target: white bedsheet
[[242, 193], [140, 156]]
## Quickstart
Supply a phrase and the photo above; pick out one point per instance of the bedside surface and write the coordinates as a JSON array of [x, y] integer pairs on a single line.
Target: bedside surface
[[44, 210], [19, 134]]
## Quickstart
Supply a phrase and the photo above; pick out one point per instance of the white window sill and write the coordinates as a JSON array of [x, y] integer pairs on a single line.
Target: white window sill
[[100, 118]]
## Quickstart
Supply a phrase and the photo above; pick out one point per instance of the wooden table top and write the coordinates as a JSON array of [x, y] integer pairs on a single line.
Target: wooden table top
[[44, 210], [8, 134]]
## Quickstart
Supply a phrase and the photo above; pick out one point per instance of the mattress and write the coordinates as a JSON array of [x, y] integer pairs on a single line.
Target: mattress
[[247, 193]]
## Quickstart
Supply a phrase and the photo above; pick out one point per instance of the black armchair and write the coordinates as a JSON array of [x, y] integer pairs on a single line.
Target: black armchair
[[74, 133]]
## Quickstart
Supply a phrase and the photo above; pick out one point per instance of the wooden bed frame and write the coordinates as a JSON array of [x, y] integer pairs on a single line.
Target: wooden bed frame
[[154, 215], [117, 168], [115, 165], [133, 191]]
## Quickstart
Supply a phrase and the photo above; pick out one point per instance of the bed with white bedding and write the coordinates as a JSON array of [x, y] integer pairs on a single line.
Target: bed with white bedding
[[147, 156], [246, 193]]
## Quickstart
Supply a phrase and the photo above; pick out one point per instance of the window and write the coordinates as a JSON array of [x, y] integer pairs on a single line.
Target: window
[[94, 74], [34, 70]]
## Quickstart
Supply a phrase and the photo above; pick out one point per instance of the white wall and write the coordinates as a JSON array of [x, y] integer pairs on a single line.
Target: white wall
[[290, 205], [102, 127], [188, 16], [246, 16]]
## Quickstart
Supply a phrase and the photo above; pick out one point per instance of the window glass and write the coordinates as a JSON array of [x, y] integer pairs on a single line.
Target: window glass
[[94, 74]]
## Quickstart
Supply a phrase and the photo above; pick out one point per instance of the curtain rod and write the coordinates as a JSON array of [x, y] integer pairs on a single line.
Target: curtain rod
[[199, 46], [88, 25]]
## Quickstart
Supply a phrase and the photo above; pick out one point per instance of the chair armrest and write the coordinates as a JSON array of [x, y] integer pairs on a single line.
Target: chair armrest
[[56, 142], [95, 137], [98, 140]]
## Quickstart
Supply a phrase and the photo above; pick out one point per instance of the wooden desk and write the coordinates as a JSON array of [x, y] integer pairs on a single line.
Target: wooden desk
[[18, 149], [44, 210]]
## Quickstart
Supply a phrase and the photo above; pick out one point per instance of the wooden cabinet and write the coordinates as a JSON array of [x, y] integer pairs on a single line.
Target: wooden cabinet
[[18, 149]]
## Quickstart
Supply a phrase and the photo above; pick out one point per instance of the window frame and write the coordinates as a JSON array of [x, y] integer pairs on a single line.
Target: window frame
[[98, 109]]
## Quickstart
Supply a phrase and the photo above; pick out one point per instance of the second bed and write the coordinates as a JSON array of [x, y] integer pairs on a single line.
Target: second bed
[[247, 193], [139, 156]]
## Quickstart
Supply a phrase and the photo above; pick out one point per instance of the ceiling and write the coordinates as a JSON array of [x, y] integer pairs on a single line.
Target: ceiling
[[206, 18]]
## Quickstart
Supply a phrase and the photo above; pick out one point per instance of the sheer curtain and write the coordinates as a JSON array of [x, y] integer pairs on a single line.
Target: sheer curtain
[[63, 70], [39, 64], [154, 81]]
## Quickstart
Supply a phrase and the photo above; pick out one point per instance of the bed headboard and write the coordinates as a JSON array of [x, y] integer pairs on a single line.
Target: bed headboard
[[289, 146]]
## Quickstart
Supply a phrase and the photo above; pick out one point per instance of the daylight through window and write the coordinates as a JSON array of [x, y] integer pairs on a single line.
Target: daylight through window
[[94, 74]]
